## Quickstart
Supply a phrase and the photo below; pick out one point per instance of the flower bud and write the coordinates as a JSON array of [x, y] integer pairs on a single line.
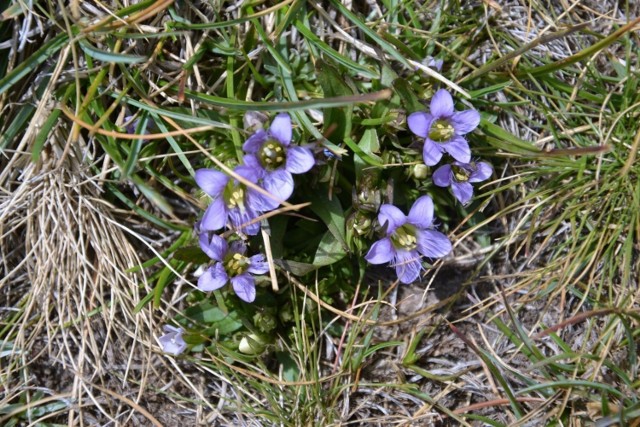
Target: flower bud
[[420, 171]]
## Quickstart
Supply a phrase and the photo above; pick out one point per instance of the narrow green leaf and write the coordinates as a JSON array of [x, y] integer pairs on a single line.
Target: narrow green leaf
[[110, 57], [337, 121], [341, 59], [41, 138], [32, 61], [234, 104]]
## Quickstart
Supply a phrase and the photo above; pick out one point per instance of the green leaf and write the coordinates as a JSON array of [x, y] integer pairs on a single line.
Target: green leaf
[[340, 59], [105, 56], [41, 138], [217, 320], [234, 104], [407, 96], [368, 145], [337, 121], [331, 213], [295, 267], [32, 61], [330, 250], [191, 254]]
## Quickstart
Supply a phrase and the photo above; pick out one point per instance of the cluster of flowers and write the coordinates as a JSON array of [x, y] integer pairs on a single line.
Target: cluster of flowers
[[408, 238], [269, 162]]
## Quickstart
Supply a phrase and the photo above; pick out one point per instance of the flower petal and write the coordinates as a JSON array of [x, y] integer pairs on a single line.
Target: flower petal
[[172, 342], [279, 183], [245, 287], [255, 141], [215, 217], [483, 172], [408, 266], [214, 246], [463, 191], [420, 123], [458, 148], [237, 247], [381, 251], [431, 152], [213, 278], [442, 176], [421, 213], [465, 121], [211, 181], [299, 159], [258, 265], [281, 128], [240, 219], [441, 104], [391, 217], [433, 244], [251, 161]]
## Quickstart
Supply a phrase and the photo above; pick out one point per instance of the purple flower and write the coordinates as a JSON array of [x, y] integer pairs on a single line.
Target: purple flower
[[231, 266], [232, 201], [272, 155], [443, 129], [431, 62], [460, 176], [172, 342], [408, 238]]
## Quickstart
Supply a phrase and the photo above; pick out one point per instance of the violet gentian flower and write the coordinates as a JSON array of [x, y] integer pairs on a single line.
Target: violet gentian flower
[[231, 266], [232, 201], [460, 176], [272, 155], [443, 129], [172, 342], [408, 238]]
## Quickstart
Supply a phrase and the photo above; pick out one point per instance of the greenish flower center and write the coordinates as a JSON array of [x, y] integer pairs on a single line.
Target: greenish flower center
[[460, 174], [271, 155], [233, 195], [441, 131], [405, 237], [236, 264]]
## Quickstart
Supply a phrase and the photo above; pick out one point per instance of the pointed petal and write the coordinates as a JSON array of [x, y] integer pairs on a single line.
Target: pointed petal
[[421, 213], [463, 191], [299, 159], [431, 152], [255, 141], [240, 220], [215, 217], [391, 217], [213, 278], [420, 123], [211, 181], [381, 251], [245, 287], [258, 265], [279, 183], [483, 172], [442, 176], [251, 162], [214, 246], [441, 104], [465, 121], [249, 172], [238, 247], [408, 266], [281, 128], [458, 148], [433, 244]]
